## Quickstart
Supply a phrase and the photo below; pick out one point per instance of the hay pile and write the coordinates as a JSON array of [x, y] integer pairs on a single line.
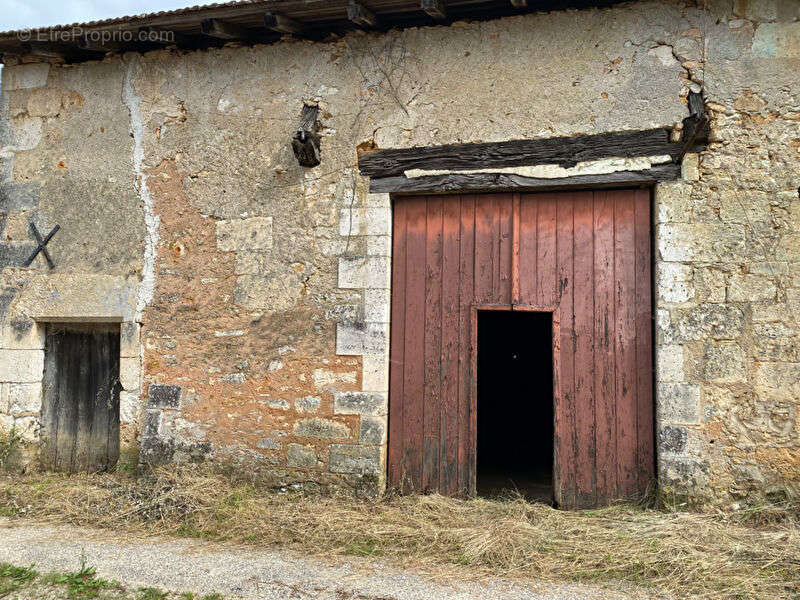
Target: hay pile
[[754, 554]]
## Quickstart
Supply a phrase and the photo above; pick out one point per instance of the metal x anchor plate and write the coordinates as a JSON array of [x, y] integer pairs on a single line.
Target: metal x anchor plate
[[41, 245]]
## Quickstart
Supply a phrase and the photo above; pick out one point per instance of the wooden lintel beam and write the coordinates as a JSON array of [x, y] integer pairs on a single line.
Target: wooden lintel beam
[[519, 3], [361, 15], [281, 23], [562, 151], [99, 45], [435, 8], [497, 182], [223, 30]]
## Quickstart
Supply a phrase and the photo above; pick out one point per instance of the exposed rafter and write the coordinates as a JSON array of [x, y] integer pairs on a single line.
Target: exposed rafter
[[435, 8], [223, 30], [361, 15], [281, 23]]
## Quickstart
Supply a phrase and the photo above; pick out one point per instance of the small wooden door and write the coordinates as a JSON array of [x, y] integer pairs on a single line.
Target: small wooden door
[[585, 256], [80, 408]]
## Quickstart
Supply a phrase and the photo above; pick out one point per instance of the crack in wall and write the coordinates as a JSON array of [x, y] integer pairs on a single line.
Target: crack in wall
[[151, 221]]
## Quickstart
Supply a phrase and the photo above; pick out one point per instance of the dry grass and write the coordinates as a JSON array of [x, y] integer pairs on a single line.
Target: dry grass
[[753, 554]]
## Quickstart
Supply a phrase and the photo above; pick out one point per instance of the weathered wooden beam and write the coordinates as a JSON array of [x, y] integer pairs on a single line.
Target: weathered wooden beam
[[361, 15], [223, 30], [435, 8], [519, 3], [562, 151], [61, 51], [281, 23], [306, 142], [696, 129], [99, 45], [496, 182]]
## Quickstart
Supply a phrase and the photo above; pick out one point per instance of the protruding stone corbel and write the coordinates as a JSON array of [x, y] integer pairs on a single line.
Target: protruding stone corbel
[[306, 141]]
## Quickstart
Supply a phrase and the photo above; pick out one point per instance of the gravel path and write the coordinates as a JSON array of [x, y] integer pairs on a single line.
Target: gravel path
[[236, 572]]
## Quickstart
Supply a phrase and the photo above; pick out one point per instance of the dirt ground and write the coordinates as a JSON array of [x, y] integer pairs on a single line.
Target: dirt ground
[[202, 568]]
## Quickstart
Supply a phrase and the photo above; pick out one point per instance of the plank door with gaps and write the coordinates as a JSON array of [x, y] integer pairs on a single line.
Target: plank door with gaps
[[80, 407], [584, 255]]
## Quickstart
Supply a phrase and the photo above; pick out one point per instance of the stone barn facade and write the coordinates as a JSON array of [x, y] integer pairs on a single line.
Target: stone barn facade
[[241, 193]]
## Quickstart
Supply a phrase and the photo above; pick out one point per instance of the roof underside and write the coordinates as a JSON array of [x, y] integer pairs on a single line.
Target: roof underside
[[254, 22]]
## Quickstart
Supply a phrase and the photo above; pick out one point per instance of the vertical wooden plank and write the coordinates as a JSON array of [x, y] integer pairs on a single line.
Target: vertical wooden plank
[[624, 340], [604, 334], [397, 344], [546, 251], [414, 352], [515, 217], [645, 459], [68, 362], [505, 242], [85, 401], [50, 403], [98, 403], [582, 343], [528, 222], [566, 441], [484, 249], [115, 387], [466, 399], [448, 447], [433, 344]]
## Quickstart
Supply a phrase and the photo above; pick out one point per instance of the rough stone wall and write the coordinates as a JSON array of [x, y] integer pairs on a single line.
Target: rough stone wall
[[262, 287], [728, 272]]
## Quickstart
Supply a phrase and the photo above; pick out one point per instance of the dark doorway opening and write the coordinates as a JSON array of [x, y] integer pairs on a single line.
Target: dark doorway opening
[[80, 407], [515, 403]]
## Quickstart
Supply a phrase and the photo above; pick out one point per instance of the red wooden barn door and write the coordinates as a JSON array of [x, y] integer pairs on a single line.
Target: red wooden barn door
[[583, 255]]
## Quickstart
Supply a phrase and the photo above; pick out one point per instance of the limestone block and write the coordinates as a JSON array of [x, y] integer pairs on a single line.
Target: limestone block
[[324, 378], [673, 439], [360, 403], [250, 263], [300, 456], [21, 366], [321, 428], [669, 363], [377, 305], [375, 372], [307, 404], [353, 340], [685, 242], [128, 406], [129, 339], [379, 200], [372, 430], [24, 399], [715, 321], [379, 245], [26, 76], [724, 362], [709, 285], [79, 297], [359, 460], [778, 376], [250, 234], [5, 407], [751, 288], [45, 102], [152, 423], [673, 202], [674, 282], [23, 334], [28, 429], [129, 371], [678, 403], [364, 272], [690, 167]]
